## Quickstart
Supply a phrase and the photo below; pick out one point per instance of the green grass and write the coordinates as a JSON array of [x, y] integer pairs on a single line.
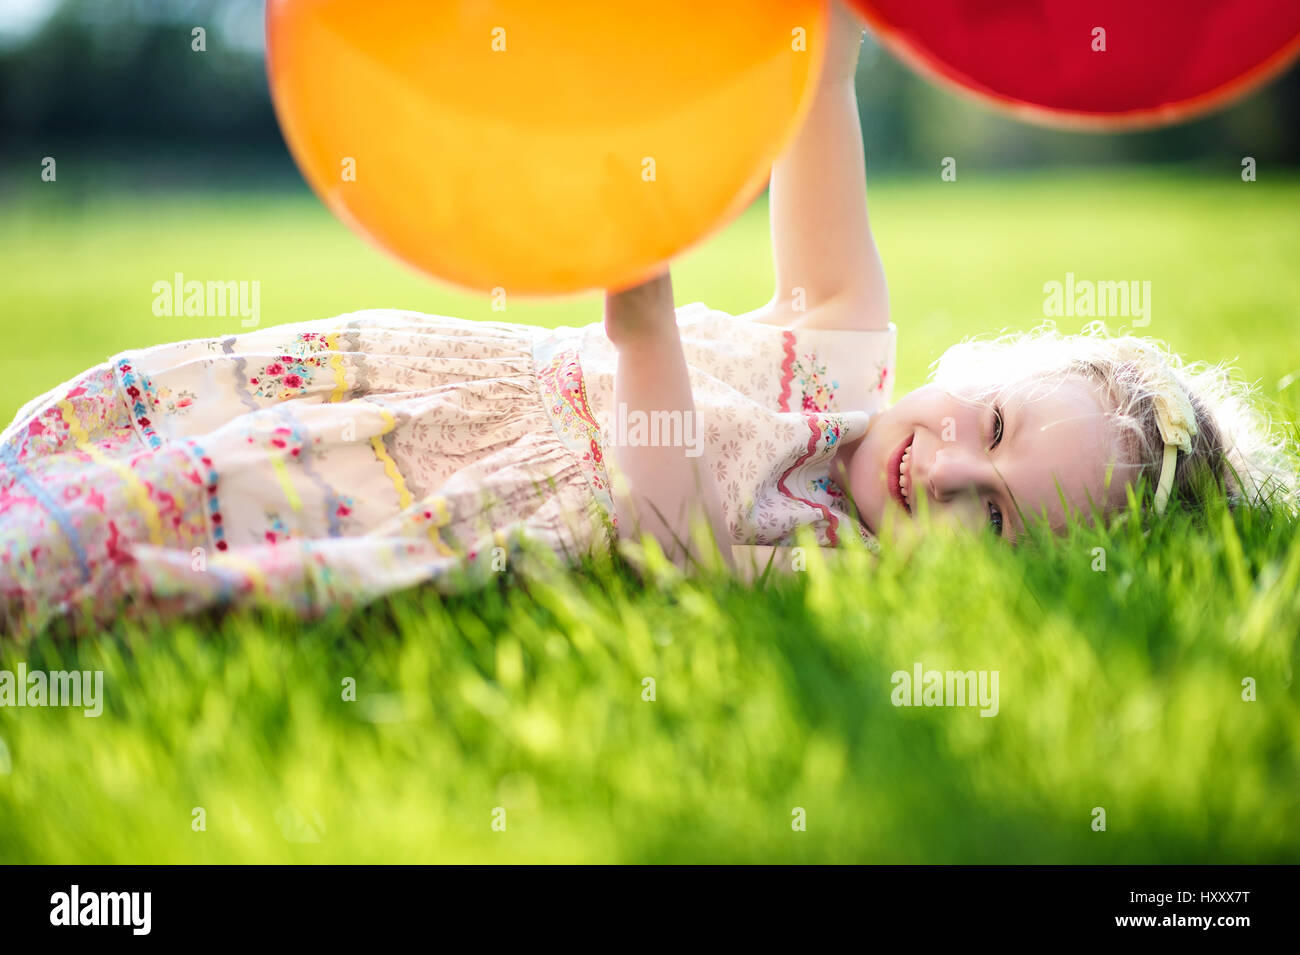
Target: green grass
[[1119, 689]]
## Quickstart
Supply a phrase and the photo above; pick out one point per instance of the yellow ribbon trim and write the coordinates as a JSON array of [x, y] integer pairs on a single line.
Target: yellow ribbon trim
[[336, 363], [74, 423], [247, 566], [404, 497], [442, 517], [290, 492], [134, 486]]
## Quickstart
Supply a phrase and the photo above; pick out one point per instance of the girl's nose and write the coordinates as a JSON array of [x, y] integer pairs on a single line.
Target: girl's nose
[[953, 483], [955, 471]]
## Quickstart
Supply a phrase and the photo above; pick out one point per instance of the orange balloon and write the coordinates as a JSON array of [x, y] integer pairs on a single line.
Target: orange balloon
[[540, 147]]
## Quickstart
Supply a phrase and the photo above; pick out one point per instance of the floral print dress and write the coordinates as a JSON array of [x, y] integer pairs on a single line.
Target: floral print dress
[[327, 463]]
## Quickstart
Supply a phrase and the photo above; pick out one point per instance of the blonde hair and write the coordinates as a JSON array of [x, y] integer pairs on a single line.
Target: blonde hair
[[1235, 451]]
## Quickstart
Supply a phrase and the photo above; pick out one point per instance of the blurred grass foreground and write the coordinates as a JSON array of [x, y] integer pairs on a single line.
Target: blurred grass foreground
[[597, 716]]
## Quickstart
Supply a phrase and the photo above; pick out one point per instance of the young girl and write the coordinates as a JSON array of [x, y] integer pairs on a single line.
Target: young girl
[[333, 461]]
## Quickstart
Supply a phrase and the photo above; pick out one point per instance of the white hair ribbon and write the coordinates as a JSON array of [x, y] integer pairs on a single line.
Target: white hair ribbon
[[1176, 419]]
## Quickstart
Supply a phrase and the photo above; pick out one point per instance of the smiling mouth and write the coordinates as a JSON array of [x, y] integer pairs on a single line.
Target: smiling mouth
[[898, 474]]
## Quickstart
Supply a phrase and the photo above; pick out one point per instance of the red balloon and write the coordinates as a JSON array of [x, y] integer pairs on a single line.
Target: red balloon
[[1094, 63]]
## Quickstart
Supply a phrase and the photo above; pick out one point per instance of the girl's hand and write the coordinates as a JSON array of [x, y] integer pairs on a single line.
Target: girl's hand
[[642, 313]]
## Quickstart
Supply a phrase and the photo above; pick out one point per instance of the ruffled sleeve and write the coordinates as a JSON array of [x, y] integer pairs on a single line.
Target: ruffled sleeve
[[839, 370], [799, 370]]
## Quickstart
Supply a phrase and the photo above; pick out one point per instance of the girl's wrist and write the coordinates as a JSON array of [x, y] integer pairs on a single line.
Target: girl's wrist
[[646, 342], [642, 317], [843, 41]]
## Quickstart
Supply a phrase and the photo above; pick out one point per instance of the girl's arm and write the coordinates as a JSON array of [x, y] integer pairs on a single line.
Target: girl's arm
[[828, 272], [669, 486]]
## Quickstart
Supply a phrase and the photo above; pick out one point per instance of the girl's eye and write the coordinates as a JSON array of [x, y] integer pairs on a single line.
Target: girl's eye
[[997, 428], [995, 519]]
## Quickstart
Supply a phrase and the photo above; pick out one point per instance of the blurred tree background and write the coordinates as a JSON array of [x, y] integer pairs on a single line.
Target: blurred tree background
[[106, 79]]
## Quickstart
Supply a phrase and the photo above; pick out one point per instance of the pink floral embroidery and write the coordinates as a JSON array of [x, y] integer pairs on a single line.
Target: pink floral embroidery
[[141, 394], [787, 369], [563, 387], [277, 532], [289, 375], [818, 390], [562, 380], [825, 431], [280, 438], [209, 481], [176, 402]]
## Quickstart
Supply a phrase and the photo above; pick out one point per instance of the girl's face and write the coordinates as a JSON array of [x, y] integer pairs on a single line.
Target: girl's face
[[984, 464]]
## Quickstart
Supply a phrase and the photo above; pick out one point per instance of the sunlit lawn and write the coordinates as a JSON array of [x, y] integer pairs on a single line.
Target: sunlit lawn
[[1119, 689]]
